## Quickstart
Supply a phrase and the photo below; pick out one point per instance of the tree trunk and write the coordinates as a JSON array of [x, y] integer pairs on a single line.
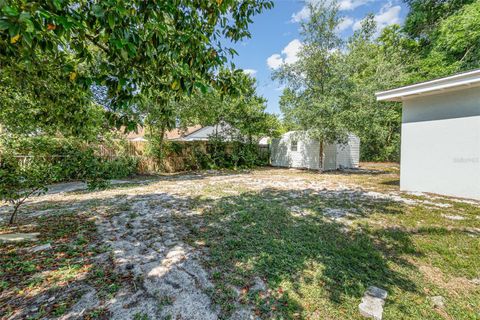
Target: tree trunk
[[160, 146], [14, 213]]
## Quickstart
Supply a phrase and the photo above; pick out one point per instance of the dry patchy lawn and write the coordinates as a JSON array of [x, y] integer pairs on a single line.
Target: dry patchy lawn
[[267, 243]]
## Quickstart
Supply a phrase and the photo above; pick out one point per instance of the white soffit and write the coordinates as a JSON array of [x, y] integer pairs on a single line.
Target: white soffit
[[452, 83]]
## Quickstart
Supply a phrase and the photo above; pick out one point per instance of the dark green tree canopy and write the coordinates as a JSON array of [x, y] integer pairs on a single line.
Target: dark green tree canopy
[[171, 45], [425, 15], [132, 50]]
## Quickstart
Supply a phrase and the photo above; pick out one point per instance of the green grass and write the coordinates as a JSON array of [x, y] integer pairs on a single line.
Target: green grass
[[316, 268]]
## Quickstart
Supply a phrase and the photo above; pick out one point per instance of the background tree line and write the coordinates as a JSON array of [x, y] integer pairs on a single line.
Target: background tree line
[[330, 90]]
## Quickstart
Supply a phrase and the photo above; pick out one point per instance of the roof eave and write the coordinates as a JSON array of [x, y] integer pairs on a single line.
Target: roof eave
[[453, 83]]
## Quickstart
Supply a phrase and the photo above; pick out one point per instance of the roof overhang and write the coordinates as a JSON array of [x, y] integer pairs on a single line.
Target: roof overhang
[[452, 83]]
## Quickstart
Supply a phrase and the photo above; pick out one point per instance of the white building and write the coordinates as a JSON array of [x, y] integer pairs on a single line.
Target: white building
[[295, 149], [440, 150], [223, 130]]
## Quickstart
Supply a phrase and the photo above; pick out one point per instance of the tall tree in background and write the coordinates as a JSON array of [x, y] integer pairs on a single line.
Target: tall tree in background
[[331, 89], [44, 100], [315, 95], [425, 15], [240, 107], [374, 64], [446, 35]]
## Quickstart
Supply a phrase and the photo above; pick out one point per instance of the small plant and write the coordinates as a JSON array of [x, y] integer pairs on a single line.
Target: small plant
[[19, 181], [140, 316]]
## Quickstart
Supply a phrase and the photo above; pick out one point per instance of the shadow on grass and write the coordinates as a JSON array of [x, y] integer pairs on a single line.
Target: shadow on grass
[[47, 283], [258, 234], [284, 236], [394, 182]]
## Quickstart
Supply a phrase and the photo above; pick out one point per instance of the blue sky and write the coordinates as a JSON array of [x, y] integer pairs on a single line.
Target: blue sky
[[276, 39]]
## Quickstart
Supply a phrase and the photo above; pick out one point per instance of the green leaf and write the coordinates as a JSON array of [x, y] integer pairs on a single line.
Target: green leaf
[[124, 54], [44, 14], [10, 11], [98, 11], [24, 16], [4, 24], [175, 85], [57, 4], [30, 27], [111, 21]]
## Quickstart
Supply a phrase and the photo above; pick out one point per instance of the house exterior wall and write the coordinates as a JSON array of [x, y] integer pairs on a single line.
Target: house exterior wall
[[440, 150], [307, 155]]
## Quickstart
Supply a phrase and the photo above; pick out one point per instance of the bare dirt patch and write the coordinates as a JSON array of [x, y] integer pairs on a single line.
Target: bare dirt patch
[[147, 251]]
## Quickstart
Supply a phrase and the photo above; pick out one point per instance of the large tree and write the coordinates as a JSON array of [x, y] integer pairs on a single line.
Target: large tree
[[446, 37], [242, 108], [424, 16], [314, 98], [331, 89], [134, 45], [43, 100]]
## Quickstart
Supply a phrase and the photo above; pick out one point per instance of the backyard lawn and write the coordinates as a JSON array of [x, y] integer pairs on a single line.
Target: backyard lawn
[[265, 243]]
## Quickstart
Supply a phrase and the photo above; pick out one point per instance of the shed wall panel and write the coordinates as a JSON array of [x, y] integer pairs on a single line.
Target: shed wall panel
[[307, 154], [348, 154]]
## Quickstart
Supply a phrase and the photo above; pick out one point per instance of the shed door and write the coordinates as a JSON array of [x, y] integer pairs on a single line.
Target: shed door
[[330, 157]]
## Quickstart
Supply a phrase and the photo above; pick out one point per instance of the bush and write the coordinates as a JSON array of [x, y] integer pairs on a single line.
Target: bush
[[214, 154], [19, 181], [72, 159], [28, 164]]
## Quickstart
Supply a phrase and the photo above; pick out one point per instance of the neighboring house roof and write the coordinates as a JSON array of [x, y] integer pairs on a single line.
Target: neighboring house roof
[[180, 133], [191, 133], [224, 130], [264, 141], [136, 136], [174, 134], [452, 83]]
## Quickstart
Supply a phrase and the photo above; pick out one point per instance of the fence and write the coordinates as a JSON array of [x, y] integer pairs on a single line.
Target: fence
[[179, 155]]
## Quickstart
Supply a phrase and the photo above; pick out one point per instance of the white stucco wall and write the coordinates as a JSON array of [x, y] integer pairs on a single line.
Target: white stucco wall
[[440, 150]]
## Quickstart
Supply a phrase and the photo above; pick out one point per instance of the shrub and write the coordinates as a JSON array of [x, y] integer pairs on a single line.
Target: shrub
[[20, 180], [73, 159], [28, 164]]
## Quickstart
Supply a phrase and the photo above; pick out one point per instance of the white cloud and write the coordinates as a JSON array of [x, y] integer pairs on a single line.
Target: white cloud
[[250, 72], [291, 51], [301, 15], [288, 55], [345, 23], [343, 5], [388, 14], [275, 61]]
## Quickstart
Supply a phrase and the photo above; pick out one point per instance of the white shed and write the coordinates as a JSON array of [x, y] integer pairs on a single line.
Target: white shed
[[440, 150], [296, 149]]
